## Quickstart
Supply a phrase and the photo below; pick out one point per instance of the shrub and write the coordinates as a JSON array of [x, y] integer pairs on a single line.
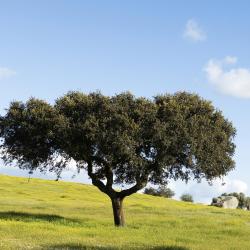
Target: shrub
[[187, 198], [162, 191], [247, 203], [150, 191]]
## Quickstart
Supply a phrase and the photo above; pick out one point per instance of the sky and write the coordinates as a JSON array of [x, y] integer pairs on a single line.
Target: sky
[[48, 48]]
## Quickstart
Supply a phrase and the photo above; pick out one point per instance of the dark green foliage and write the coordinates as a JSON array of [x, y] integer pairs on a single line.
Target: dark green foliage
[[241, 198], [120, 139], [214, 201], [162, 191], [187, 198], [247, 203], [173, 136]]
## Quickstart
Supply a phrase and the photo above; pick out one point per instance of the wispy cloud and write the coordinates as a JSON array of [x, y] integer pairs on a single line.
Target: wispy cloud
[[227, 79], [194, 32], [6, 72]]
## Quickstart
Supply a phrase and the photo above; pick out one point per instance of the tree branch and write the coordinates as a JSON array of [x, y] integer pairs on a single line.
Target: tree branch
[[140, 183], [110, 178], [95, 181], [108, 172]]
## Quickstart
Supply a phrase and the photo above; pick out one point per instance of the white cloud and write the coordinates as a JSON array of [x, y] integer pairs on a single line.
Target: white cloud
[[231, 81], [194, 32], [230, 60], [6, 73]]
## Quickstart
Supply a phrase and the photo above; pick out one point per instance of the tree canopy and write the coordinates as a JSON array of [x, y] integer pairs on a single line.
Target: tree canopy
[[120, 139], [187, 197], [162, 191]]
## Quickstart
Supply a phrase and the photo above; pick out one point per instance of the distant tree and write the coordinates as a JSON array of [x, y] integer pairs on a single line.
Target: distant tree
[[247, 203], [241, 198], [162, 191], [120, 139], [166, 192], [214, 201], [150, 191], [187, 198]]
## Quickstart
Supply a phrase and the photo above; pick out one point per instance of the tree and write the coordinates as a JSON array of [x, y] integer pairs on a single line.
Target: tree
[[120, 139], [166, 192], [162, 191], [247, 203], [187, 198], [151, 191], [241, 198]]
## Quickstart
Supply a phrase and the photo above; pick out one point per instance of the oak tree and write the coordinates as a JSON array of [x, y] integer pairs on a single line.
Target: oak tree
[[120, 139]]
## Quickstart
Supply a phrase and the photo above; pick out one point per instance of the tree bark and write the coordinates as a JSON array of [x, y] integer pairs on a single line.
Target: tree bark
[[116, 197], [117, 204]]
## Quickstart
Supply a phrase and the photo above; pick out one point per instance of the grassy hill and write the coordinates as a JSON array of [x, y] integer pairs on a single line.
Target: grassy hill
[[43, 214]]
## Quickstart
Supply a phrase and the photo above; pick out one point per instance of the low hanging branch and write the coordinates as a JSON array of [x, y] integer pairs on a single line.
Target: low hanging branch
[[120, 139]]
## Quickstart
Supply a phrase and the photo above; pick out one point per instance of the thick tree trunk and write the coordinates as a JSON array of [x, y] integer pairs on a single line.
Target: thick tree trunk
[[119, 219]]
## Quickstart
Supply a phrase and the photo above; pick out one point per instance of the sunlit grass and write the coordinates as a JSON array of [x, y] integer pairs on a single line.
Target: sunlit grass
[[43, 214]]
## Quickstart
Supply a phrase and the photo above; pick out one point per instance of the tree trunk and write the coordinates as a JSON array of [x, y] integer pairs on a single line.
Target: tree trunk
[[119, 219]]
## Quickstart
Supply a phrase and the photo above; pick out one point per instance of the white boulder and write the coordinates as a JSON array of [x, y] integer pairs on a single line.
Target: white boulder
[[226, 202], [230, 202]]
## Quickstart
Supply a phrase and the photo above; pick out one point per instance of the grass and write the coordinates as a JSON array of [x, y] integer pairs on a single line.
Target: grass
[[44, 214]]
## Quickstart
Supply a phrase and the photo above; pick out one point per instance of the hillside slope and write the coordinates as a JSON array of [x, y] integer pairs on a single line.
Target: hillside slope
[[42, 214]]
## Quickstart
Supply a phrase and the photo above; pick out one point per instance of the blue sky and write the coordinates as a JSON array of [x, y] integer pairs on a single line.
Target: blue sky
[[147, 47]]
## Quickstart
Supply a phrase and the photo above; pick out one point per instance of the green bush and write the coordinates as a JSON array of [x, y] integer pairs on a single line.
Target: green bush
[[187, 198], [162, 191]]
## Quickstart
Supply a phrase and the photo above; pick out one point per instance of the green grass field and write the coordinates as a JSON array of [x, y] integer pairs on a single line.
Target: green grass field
[[59, 215]]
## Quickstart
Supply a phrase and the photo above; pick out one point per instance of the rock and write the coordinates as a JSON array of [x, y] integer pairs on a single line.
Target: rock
[[226, 202], [230, 202]]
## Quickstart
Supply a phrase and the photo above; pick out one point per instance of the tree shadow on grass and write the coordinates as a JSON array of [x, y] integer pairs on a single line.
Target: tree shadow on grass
[[79, 247], [170, 248], [82, 247], [30, 217]]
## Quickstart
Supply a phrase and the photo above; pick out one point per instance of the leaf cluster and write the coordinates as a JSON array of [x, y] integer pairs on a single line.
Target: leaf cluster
[[187, 198], [162, 191], [122, 137]]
